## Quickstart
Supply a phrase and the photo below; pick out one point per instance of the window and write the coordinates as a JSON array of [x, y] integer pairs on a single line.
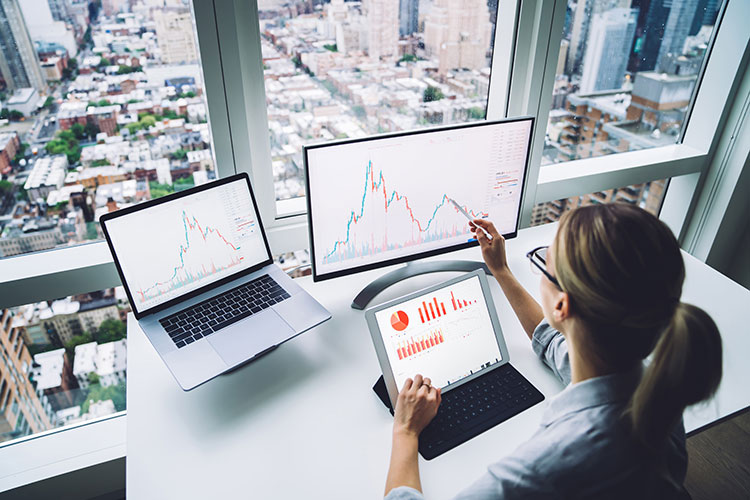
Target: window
[[350, 69], [103, 107], [74, 351], [625, 75], [648, 196]]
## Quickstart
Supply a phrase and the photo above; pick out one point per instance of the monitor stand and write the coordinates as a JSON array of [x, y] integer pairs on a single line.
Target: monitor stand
[[413, 269]]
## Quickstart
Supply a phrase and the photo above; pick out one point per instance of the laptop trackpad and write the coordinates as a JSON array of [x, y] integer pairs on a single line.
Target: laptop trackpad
[[243, 340]]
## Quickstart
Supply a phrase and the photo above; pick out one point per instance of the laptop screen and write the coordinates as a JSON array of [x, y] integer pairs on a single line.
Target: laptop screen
[[168, 249], [446, 334]]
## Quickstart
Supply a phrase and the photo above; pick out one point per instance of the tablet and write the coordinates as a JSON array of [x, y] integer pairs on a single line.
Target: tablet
[[448, 332]]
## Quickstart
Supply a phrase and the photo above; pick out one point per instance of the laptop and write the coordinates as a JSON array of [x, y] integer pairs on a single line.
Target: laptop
[[198, 272], [450, 333]]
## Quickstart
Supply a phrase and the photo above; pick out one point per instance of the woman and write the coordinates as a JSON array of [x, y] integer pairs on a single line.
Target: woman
[[610, 291]]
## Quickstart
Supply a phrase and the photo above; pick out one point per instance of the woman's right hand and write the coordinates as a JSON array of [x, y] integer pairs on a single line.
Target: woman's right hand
[[493, 251]]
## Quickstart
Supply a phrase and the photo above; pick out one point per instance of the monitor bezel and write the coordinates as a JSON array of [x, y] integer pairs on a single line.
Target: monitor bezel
[[419, 255], [171, 197]]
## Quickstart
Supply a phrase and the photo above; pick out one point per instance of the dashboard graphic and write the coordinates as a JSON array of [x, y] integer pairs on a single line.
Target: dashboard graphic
[[446, 347], [386, 198], [170, 249]]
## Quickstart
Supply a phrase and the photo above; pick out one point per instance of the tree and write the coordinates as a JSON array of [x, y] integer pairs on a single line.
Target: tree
[[123, 70], [6, 188], [4, 114], [432, 94], [91, 231], [70, 345], [180, 154], [159, 190], [331, 46], [93, 378], [15, 115], [78, 131], [48, 102], [98, 393], [91, 130], [408, 58], [110, 330], [67, 144], [103, 61], [359, 112]]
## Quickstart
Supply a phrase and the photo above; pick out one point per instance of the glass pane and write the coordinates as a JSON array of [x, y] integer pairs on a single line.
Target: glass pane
[[648, 196], [626, 72], [103, 106], [336, 70], [63, 362]]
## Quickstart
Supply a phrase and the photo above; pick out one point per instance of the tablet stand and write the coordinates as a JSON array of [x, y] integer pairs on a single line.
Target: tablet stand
[[413, 269], [382, 393]]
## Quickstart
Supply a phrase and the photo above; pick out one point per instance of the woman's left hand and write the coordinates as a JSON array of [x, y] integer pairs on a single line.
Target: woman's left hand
[[416, 406]]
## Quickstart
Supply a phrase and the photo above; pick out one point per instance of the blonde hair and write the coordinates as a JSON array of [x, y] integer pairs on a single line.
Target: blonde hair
[[623, 272]]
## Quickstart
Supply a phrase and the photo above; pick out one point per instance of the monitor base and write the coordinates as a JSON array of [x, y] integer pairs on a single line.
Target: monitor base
[[413, 269]]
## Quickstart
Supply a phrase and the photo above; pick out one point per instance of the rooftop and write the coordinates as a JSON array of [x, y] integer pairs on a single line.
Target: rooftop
[[48, 374]]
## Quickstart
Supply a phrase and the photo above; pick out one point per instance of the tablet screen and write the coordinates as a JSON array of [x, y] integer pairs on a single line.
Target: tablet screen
[[445, 335]]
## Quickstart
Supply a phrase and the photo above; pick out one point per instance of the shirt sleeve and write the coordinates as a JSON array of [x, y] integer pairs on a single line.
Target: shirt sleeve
[[404, 493], [551, 347], [512, 478]]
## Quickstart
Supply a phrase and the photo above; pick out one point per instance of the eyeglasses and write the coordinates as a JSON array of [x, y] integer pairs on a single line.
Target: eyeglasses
[[538, 259]]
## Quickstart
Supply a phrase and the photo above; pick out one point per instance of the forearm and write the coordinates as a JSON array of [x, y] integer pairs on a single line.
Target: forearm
[[404, 467], [528, 310]]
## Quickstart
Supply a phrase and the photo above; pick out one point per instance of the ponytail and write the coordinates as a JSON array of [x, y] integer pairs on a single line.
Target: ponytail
[[686, 369]]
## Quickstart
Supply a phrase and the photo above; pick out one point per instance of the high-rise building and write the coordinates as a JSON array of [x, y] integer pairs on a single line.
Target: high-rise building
[[607, 49], [584, 14], [114, 7], [59, 9], [43, 27], [382, 20], [676, 30], [22, 410], [408, 17], [457, 34], [174, 34], [19, 65]]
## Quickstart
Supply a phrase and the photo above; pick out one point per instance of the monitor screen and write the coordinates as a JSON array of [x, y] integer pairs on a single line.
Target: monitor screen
[[383, 200], [169, 249]]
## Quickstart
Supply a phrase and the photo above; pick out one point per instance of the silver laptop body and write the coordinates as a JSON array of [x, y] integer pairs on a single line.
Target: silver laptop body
[[204, 351]]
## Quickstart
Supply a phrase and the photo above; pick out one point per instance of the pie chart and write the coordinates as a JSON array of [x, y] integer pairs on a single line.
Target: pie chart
[[399, 321]]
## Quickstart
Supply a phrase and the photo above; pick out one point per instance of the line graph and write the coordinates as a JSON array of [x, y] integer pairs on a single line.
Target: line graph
[[183, 274], [386, 198], [178, 246], [347, 247]]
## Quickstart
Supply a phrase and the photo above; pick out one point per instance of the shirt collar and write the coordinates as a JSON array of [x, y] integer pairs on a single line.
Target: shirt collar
[[596, 391]]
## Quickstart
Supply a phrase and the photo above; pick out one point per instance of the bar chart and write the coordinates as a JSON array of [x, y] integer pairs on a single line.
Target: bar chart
[[452, 337], [418, 344]]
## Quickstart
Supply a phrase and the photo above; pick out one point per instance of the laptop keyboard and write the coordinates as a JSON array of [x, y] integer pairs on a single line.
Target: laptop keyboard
[[475, 407], [188, 325]]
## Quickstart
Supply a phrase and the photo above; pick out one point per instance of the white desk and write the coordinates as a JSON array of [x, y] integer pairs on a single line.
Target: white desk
[[303, 421]]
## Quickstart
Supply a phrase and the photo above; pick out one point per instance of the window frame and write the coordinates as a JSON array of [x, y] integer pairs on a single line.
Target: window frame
[[229, 46]]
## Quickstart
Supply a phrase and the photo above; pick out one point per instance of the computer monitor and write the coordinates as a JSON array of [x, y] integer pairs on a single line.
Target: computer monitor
[[383, 200]]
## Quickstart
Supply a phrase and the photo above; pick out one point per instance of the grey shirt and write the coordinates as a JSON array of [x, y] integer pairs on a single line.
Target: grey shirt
[[582, 449]]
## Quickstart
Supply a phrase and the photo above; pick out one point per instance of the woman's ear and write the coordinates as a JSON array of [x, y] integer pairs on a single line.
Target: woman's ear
[[562, 307]]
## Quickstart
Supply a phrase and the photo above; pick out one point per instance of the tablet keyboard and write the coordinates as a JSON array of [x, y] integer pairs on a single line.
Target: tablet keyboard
[[188, 325], [476, 406]]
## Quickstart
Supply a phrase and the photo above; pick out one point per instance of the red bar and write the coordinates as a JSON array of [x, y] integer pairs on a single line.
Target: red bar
[[424, 306], [441, 336], [465, 303], [400, 355], [419, 349], [453, 301], [420, 314], [443, 306], [409, 350], [432, 342], [432, 311], [423, 346], [436, 306], [459, 304]]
